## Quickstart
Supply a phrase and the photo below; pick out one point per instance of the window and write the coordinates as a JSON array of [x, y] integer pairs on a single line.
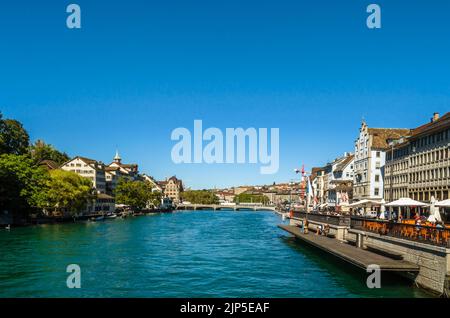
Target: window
[[377, 191], [377, 178], [378, 154]]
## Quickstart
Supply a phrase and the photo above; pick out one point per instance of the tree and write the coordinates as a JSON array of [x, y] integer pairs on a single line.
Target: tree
[[251, 198], [42, 151], [22, 184], [14, 139], [135, 194], [66, 191], [155, 198], [200, 197]]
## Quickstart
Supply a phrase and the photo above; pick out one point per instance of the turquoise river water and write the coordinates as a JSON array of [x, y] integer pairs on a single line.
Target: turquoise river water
[[182, 254]]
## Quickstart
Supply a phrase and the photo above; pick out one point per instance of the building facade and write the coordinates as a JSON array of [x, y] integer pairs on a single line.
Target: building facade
[[116, 170], [337, 182], [370, 158], [172, 189], [88, 168], [419, 167]]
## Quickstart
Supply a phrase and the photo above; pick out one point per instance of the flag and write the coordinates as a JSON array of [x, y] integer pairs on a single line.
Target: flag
[[310, 188]]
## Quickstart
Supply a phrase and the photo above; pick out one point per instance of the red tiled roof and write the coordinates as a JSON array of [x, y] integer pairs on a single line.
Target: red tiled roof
[[381, 136], [442, 122]]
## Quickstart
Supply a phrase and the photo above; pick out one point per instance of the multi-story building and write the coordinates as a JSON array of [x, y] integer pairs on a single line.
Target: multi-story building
[[94, 171], [116, 170], [154, 184], [370, 157], [172, 188], [318, 184], [338, 179], [88, 168], [419, 166]]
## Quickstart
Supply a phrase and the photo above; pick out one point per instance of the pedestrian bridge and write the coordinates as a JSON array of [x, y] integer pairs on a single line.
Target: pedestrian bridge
[[217, 207]]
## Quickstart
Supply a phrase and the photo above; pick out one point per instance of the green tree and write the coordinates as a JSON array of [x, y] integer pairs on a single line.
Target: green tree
[[200, 197], [14, 139], [22, 184], [66, 191], [135, 194], [251, 198], [155, 198], [42, 151]]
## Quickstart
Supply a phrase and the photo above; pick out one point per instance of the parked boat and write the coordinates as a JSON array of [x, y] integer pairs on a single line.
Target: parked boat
[[111, 216], [99, 218]]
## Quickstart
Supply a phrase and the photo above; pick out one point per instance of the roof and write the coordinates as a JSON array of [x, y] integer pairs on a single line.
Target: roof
[[442, 122], [382, 136], [104, 196], [345, 162], [112, 168], [86, 160], [49, 163]]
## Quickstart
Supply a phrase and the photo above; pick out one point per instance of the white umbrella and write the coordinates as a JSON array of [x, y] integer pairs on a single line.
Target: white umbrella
[[444, 204], [364, 202], [435, 216], [382, 210], [406, 202]]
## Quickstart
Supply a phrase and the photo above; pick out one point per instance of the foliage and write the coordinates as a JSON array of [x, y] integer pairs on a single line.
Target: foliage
[[251, 198], [155, 198], [66, 190], [22, 184], [42, 151], [14, 138], [200, 197], [135, 194]]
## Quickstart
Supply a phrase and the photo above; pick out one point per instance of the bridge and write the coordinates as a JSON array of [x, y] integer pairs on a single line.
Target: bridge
[[218, 207]]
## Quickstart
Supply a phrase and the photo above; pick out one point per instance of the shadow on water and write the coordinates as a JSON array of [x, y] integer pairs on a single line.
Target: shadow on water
[[353, 278]]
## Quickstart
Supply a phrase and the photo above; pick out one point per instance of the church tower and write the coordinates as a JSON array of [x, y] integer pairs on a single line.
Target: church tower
[[117, 158]]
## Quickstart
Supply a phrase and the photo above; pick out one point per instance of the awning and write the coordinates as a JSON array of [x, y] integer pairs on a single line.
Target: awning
[[364, 202], [406, 202], [443, 204]]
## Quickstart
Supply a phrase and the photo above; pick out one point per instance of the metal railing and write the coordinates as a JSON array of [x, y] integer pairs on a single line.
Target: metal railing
[[419, 233], [338, 220]]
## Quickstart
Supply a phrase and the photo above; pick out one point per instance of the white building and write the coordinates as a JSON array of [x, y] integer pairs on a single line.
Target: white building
[[88, 168], [370, 155], [94, 171], [152, 182], [116, 170], [338, 181]]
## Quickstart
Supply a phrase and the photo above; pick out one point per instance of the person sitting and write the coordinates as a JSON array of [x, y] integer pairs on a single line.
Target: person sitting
[[319, 230], [326, 230]]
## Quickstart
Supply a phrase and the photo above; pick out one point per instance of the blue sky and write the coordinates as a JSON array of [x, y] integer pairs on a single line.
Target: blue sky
[[138, 69]]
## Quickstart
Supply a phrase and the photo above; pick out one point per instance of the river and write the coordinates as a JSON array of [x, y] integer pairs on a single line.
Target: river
[[182, 254]]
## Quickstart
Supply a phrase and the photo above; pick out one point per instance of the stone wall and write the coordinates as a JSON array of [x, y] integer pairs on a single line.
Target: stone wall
[[434, 261]]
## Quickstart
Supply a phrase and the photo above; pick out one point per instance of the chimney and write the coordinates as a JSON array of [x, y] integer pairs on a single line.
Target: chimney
[[435, 117]]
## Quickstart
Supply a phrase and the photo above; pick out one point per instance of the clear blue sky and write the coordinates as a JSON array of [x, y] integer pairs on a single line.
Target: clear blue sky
[[138, 69]]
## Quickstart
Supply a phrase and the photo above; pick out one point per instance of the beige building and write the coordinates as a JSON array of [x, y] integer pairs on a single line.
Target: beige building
[[419, 167], [172, 188]]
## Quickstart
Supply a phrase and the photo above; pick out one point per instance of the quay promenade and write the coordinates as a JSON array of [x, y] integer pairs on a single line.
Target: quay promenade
[[425, 259]]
